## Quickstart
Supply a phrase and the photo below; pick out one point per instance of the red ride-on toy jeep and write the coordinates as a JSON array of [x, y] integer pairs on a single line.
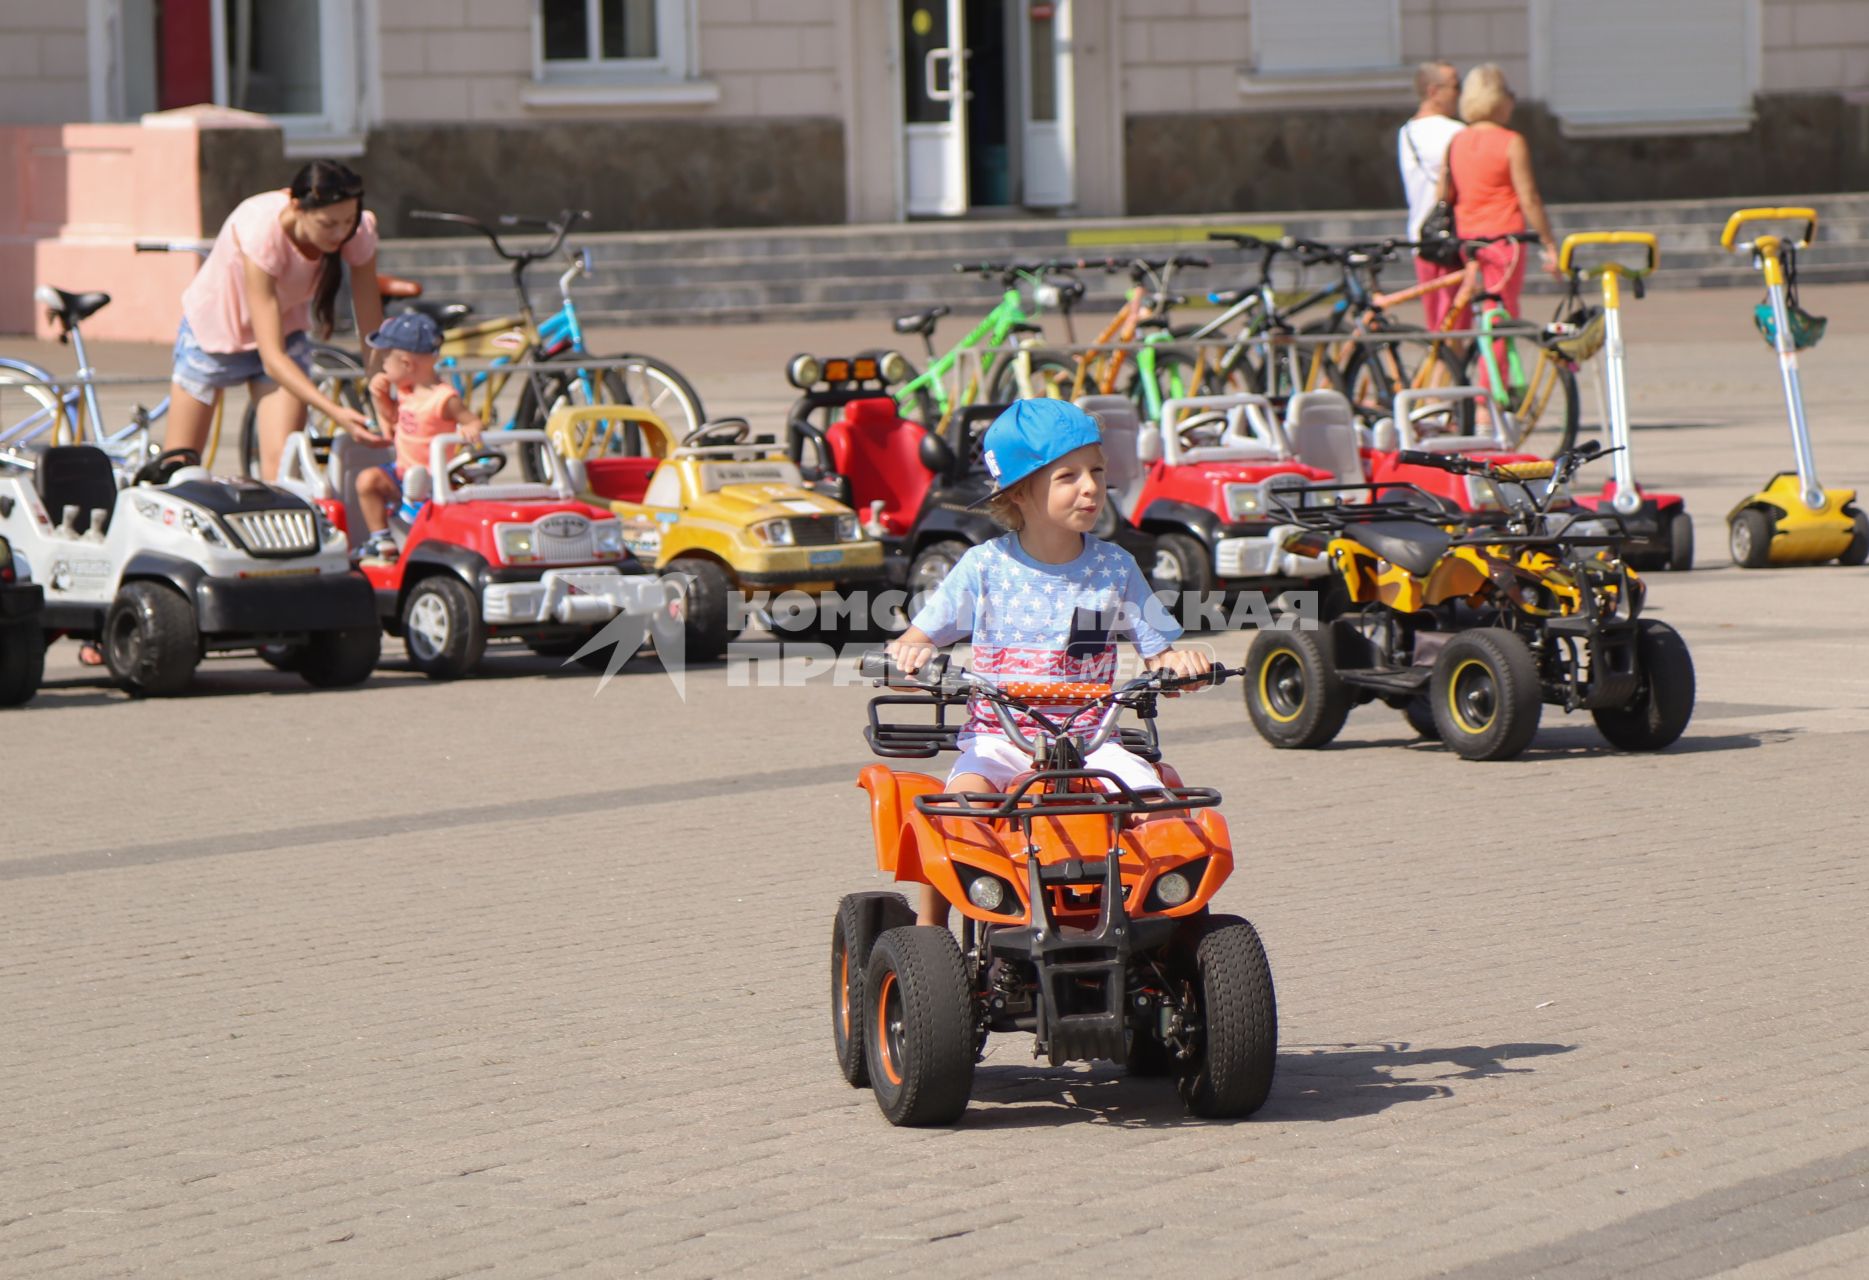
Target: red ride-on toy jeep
[[490, 556], [1083, 904]]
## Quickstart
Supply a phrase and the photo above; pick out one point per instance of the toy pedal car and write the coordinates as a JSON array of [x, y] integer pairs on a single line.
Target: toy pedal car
[[487, 561], [181, 563], [22, 641], [1084, 908], [720, 512]]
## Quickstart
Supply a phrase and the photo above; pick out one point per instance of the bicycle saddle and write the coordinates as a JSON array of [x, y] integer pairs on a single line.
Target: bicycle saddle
[[922, 322], [1023, 327], [1415, 547], [1228, 297], [445, 314], [70, 307]]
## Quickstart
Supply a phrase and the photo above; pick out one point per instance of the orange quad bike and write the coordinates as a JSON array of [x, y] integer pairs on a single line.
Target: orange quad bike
[[1083, 904]]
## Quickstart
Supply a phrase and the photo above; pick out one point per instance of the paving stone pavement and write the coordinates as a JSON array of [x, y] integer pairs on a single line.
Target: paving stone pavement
[[511, 978]]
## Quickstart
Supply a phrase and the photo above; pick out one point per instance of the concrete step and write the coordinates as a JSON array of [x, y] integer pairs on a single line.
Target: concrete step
[[832, 272]]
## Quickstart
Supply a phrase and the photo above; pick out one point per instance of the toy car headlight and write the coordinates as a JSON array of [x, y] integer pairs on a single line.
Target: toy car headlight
[[804, 372], [327, 532], [774, 533], [202, 525], [849, 529], [518, 543], [894, 367], [1244, 501], [607, 539]]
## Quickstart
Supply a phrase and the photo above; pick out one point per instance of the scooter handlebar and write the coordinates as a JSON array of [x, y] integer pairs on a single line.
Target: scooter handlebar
[[1729, 237]]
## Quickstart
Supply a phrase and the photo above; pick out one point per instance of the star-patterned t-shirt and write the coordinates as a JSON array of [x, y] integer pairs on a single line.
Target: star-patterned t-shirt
[[1045, 623]]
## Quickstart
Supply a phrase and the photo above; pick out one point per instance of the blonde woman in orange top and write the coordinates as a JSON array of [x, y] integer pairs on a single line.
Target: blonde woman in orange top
[[1489, 183]]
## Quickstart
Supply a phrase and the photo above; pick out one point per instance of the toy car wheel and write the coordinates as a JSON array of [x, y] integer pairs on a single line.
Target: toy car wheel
[[22, 662], [1230, 1074], [1858, 550], [1485, 694], [150, 640], [705, 586], [282, 657], [333, 659], [1293, 693], [1419, 712], [441, 627], [1664, 698], [932, 564], [1181, 564], [861, 917], [918, 1034], [1680, 542], [1750, 538]]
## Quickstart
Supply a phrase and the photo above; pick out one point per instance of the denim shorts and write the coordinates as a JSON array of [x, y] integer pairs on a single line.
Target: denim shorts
[[203, 373]]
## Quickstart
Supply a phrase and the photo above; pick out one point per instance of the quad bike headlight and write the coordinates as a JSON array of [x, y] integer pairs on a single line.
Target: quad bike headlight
[[1173, 889], [518, 543], [849, 529], [607, 539], [804, 372], [774, 533], [1483, 494], [987, 892]]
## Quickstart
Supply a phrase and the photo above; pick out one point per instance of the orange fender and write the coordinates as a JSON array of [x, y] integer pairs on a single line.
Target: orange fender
[[892, 811]]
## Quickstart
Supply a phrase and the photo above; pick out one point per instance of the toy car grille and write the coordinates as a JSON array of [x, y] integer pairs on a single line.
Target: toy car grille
[[814, 531], [275, 533], [576, 547]]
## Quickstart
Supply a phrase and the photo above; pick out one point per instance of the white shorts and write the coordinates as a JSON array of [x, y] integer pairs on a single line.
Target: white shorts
[[998, 761]]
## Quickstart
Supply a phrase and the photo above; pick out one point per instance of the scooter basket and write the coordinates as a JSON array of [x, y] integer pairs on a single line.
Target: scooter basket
[[1807, 330], [1579, 335]]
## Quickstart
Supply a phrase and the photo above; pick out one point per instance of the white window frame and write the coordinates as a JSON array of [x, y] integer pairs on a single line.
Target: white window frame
[[671, 77], [1626, 123], [1345, 85], [337, 130]]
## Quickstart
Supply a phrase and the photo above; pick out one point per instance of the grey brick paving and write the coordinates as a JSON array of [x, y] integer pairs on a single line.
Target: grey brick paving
[[504, 979]]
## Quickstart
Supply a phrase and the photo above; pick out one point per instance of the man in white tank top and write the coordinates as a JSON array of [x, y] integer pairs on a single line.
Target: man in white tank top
[[1421, 149]]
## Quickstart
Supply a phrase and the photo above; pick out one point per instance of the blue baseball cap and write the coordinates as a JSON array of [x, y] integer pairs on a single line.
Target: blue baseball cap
[[1033, 434], [411, 331]]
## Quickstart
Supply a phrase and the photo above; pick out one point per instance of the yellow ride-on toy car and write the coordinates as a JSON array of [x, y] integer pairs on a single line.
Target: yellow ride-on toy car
[[1469, 632], [721, 512]]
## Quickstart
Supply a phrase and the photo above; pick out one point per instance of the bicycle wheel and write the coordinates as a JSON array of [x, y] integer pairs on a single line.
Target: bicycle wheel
[[1375, 372], [340, 376], [1053, 375], [1545, 404], [1214, 374], [1178, 375], [641, 381], [30, 409]]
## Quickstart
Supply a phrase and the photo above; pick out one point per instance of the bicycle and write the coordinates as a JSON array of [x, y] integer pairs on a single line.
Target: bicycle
[[1246, 366], [930, 398]]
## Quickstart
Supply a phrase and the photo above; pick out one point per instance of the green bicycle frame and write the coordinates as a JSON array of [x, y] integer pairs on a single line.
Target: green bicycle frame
[[992, 331], [1506, 391]]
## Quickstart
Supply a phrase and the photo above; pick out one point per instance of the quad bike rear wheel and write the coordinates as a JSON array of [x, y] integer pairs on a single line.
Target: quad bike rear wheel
[[1419, 712], [918, 1035], [1230, 1074], [1664, 697], [861, 918], [150, 639], [1485, 694], [1293, 693]]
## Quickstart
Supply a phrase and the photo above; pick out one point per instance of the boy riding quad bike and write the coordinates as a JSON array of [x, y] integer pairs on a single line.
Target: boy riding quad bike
[[1083, 904], [1469, 632]]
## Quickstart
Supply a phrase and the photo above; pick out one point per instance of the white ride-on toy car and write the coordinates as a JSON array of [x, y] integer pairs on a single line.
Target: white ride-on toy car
[[180, 563]]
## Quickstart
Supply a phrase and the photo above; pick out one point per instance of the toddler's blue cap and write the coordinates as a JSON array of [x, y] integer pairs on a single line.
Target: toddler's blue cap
[[1033, 434], [411, 331]]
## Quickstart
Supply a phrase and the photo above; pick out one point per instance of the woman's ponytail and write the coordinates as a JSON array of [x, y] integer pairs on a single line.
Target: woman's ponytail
[[318, 184]]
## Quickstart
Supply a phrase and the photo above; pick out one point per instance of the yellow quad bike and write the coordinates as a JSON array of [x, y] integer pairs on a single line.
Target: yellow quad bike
[[1793, 519], [1469, 631], [726, 514]]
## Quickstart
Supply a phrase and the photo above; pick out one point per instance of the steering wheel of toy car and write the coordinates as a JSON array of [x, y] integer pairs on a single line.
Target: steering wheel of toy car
[[165, 464], [1199, 429], [472, 468], [730, 431]]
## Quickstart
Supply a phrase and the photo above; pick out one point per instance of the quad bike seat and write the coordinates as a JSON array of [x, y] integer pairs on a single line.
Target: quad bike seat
[[1415, 547], [70, 308], [922, 322], [445, 314], [77, 475], [880, 455]]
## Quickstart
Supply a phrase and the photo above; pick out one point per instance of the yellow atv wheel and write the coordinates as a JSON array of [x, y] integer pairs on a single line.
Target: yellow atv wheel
[[1485, 695], [1293, 693]]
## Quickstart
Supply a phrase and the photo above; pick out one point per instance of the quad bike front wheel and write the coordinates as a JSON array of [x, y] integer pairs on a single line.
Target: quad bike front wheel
[[150, 639], [918, 1034], [1293, 692], [1230, 1074], [1485, 694], [861, 917], [1664, 695]]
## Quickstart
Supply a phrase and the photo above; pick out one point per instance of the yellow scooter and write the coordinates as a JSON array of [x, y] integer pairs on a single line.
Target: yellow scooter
[[1794, 519]]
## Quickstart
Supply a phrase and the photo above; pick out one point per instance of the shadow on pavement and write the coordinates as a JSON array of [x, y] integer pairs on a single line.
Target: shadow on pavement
[[1313, 1082]]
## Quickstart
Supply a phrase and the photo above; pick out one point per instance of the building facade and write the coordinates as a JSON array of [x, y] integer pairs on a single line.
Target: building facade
[[665, 114]]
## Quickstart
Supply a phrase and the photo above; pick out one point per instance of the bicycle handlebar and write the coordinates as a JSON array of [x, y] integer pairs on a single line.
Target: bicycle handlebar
[[560, 228]]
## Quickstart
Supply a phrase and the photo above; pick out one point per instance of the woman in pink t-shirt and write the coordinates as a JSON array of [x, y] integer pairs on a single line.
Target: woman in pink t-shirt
[[279, 258]]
